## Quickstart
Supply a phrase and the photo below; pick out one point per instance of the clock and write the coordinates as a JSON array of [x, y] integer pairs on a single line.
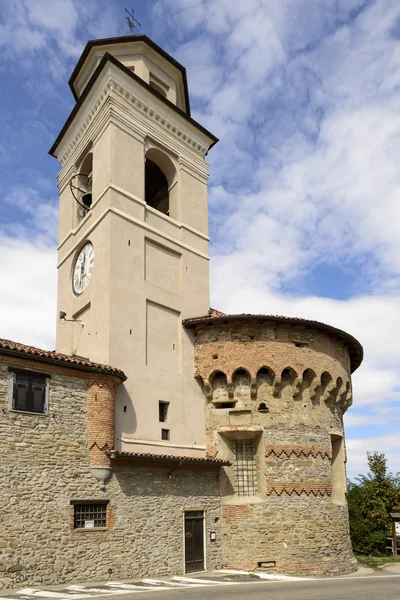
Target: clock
[[83, 269]]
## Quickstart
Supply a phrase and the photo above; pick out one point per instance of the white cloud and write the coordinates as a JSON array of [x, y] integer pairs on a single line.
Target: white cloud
[[28, 292], [357, 449]]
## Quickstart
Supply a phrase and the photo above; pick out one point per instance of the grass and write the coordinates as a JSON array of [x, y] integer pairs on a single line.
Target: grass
[[374, 562]]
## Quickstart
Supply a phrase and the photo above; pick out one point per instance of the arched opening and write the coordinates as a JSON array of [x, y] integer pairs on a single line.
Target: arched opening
[[156, 188], [263, 408], [81, 186], [159, 177], [158, 88]]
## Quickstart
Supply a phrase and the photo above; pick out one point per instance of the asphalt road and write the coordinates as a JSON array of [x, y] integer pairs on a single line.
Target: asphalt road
[[380, 587]]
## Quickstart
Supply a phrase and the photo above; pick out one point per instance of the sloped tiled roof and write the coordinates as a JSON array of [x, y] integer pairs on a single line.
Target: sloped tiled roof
[[214, 316], [168, 458], [51, 356]]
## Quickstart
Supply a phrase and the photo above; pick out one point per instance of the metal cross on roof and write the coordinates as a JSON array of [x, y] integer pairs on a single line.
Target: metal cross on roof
[[131, 20]]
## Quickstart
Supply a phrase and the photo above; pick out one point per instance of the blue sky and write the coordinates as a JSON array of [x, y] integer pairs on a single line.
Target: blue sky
[[305, 182]]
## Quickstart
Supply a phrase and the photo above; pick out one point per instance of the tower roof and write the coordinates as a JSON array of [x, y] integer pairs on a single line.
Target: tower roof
[[118, 41]]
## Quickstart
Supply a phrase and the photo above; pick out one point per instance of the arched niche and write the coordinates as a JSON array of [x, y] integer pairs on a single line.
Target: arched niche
[[219, 388], [264, 382], [327, 386], [288, 378], [309, 377], [241, 381], [160, 183]]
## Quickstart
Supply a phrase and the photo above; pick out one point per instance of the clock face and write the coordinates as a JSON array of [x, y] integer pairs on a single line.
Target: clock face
[[83, 269]]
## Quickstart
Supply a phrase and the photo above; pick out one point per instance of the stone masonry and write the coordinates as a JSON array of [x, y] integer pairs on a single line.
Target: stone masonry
[[284, 386], [46, 464]]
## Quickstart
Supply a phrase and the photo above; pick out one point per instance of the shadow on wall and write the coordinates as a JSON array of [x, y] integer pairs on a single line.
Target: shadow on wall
[[125, 413], [158, 480]]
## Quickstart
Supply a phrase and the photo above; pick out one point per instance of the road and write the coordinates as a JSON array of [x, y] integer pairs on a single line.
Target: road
[[382, 586]]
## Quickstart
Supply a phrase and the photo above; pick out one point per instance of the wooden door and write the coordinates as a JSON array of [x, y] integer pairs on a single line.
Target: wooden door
[[194, 541]]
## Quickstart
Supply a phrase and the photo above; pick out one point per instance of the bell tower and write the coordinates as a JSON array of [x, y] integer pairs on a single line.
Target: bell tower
[[133, 237]]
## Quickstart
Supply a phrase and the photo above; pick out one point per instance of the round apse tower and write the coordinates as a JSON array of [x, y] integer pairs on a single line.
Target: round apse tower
[[276, 389]]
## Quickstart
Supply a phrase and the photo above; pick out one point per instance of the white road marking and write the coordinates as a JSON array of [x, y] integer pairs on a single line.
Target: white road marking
[[123, 586], [87, 588], [192, 580], [40, 593], [160, 582]]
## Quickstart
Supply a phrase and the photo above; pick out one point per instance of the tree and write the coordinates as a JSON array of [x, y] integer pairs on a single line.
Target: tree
[[371, 499]]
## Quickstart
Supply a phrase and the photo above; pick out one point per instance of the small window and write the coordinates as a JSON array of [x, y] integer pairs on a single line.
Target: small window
[[29, 392], [165, 434], [224, 405], [163, 411], [89, 515]]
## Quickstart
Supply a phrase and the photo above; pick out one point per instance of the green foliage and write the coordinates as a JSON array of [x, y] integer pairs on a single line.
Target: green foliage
[[371, 499]]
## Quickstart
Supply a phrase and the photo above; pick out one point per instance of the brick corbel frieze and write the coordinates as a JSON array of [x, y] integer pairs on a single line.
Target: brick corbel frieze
[[288, 450], [298, 489], [101, 420]]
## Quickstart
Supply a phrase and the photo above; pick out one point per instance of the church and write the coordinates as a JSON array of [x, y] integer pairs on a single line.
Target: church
[[161, 436]]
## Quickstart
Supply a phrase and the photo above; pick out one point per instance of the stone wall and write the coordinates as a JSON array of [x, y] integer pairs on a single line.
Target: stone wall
[[45, 465], [285, 387]]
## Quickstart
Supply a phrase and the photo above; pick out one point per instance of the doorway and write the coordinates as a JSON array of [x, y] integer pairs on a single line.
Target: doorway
[[194, 541]]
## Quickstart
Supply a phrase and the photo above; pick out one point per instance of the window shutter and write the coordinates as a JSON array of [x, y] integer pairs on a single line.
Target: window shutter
[[21, 385], [38, 395]]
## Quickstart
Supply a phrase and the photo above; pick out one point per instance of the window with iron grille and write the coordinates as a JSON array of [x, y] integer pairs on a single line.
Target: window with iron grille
[[245, 468], [90, 514], [29, 392]]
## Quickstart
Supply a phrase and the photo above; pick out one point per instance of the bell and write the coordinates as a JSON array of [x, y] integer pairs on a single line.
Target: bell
[[87, 198]]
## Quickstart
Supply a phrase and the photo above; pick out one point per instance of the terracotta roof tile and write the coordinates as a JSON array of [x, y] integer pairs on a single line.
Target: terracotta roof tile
[[213, 312], [168, 458], [10, 347]]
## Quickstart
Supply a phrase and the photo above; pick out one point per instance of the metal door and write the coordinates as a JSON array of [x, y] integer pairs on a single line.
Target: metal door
[[194, 541]]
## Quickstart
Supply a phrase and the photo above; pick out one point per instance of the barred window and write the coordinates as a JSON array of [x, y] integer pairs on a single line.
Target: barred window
[[90, 514], [245, 468], [29, 392]]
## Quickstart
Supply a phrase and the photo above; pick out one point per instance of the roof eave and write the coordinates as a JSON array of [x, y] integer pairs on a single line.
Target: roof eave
[[65, 364], [109, 58], [116, 455]]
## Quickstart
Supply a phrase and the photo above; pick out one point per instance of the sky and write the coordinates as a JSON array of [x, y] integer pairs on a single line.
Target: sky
[[305, 181]]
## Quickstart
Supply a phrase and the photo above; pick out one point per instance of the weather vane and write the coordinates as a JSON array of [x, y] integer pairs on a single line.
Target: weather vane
[[131, 20]]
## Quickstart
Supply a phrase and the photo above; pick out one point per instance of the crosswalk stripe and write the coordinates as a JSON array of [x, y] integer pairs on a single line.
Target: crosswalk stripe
[[199, 581], [123, 586], [87, 589], [40, 593], [160, 582]]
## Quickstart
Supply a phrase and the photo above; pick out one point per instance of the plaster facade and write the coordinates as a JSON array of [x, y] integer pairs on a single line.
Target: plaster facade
[[150, 269]]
